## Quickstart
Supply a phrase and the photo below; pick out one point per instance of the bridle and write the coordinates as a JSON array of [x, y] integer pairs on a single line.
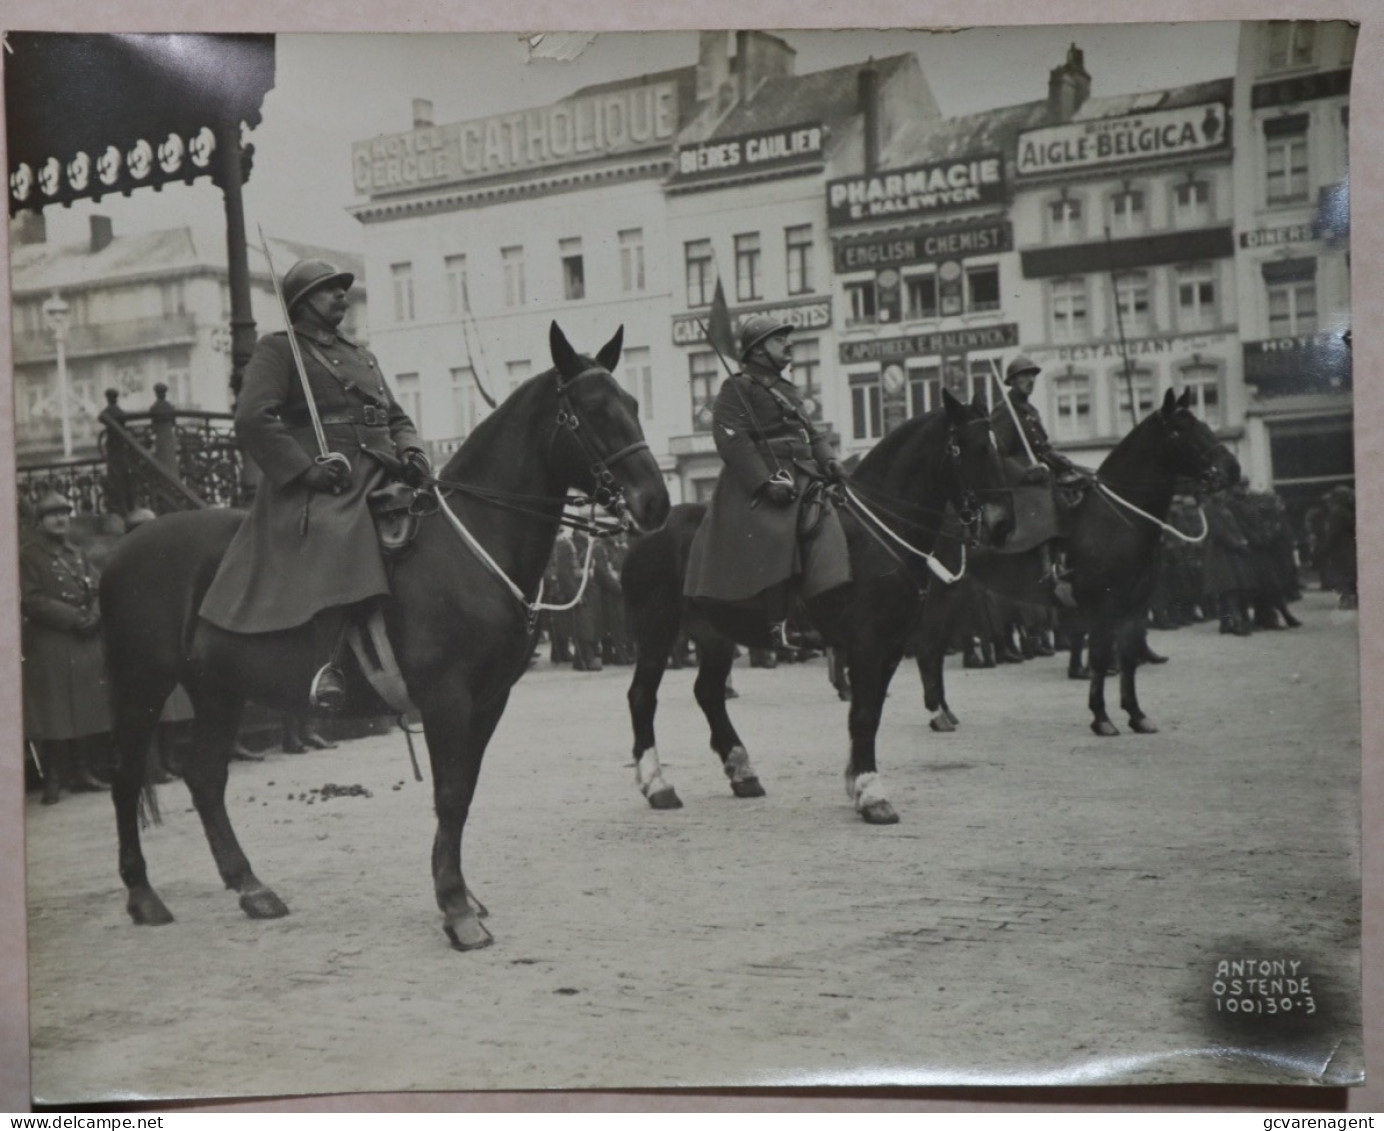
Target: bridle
[[606, 491]]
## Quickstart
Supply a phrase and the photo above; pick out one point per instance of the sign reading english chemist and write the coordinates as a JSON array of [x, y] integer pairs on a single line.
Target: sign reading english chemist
[[1137, 137]]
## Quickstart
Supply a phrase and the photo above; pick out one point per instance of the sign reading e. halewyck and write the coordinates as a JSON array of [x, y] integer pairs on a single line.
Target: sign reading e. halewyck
[[924, 245], [748, 153], [578, 129], [920, 189], [1000, 336], [803, 314], [1159, 133]]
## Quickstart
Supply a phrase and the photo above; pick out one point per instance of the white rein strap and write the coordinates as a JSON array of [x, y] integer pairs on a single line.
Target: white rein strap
[[941, 571], [1174, 531]]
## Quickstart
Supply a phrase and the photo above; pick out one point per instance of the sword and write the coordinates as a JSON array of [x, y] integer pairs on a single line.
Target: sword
[[1013, 413]]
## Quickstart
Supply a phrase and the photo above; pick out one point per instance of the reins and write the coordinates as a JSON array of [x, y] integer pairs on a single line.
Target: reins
[[1174, 531]]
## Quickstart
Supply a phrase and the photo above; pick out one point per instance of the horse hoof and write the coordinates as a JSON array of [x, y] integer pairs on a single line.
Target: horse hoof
[[941, 724], [951, 717], [476, 905], [263, 904], [1142, 726], [879, 813], [1105, 728], [1082, 672], [148, 910], [467, 932], [747, 787], [665, 799]]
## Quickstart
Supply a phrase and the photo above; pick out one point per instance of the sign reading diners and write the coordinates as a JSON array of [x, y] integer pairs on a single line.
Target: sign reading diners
[[804, 314], [577, 129], [749, 153], [1000, 336], [1138, 137], [917, 190], [1273, 237]]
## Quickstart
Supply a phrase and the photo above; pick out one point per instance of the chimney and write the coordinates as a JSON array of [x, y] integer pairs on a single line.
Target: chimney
[[713, 64], [759, 57], [28, 228], [422, 114], [869, 112], [1068, 86], [101, 233]]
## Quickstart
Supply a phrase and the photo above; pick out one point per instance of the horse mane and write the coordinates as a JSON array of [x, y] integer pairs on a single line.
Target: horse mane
[[498, 423], [875, 463]]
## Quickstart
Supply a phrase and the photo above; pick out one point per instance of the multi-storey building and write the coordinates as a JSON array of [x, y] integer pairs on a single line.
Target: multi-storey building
[[1292, 130]]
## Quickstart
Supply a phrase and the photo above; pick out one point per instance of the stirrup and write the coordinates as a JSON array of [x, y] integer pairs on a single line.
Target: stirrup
[[328, 690]]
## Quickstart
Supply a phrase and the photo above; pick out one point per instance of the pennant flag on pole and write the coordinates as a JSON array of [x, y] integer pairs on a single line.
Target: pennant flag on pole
[[719, 331]]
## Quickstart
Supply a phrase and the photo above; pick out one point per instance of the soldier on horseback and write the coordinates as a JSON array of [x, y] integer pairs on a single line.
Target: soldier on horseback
[[308, 550], [770, 528]]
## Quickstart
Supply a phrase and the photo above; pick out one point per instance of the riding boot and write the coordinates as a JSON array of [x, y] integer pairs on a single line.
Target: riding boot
[[53, 755], [292, 740], [80, 775], [328, 689]]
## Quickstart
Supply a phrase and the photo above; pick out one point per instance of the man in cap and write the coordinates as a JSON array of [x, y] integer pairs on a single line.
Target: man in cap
[[756, 543], [308, 550]]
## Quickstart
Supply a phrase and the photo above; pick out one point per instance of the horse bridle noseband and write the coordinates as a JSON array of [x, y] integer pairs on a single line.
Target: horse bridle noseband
[[606, 491]]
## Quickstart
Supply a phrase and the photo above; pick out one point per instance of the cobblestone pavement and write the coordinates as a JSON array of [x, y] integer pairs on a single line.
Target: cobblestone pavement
[[1053, 907]]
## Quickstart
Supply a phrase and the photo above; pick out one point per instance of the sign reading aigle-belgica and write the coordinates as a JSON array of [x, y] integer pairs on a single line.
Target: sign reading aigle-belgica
[[1136, 137]]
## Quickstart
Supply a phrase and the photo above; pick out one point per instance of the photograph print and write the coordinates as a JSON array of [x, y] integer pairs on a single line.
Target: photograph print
[[428, 442]]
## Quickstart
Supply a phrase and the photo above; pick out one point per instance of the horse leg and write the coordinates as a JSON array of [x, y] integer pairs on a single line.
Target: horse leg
[[1076, 669], [1130, 645], [1101, 646], [655, 643], [136, 705], [205, 771], [715, 656], [870, 684], [939, 619]]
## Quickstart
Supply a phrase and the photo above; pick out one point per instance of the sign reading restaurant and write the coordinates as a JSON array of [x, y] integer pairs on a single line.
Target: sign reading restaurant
[[576, 129], [1138, 137], [917, 190], [1000, 336], [748, 153], [1172, 344], [804, 314]]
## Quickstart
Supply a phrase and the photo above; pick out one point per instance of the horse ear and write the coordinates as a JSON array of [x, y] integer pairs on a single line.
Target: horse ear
[[564, 356], [609, 357], [1169, 403], [978, 403], [955, 409], [1185, 401]]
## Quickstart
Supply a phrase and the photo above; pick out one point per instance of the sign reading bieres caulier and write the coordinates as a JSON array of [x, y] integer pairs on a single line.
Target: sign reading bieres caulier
[[1136, 137], [576, 129], [748, 153]]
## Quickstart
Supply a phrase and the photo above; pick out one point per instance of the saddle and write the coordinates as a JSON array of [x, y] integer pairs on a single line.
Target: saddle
[[1044, 509], [396, 522]]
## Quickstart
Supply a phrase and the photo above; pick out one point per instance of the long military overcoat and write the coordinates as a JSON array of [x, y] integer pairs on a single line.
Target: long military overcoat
[[745, 544], [300, 550], [64, 669]]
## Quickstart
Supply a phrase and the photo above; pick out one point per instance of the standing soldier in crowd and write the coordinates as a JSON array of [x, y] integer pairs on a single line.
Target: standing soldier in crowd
[[586, 617], [608, 562], [65, 711], [559, 587], [1338, 548], [1227, 570]]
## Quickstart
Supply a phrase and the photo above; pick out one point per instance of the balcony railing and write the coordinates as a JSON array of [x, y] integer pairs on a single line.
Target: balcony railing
[[108, 337]]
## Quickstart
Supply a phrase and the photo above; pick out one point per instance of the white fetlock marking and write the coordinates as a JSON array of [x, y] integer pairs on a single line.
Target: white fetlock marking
[[648, 773], [738, 765], [866, 790]]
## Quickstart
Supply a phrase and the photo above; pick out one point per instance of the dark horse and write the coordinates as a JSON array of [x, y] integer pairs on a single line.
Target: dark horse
[[945, 457], [1112, 551], [462, 637]]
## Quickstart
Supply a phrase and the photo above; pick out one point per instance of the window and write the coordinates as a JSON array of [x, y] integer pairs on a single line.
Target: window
[[1285, 159], [1291, 43], [983, 288], [637, 376], [516, 373], [1196, 297], [983, 380], [1142, 382], [861, 297], [410, 397], [573, 270], [807, 374], [1127, 215], [924, 389], [1192, 204], [866, 413], [454, 279], [1071, 398], [747, 279], [920, 295], [1292, 306], [798, 247], [706, 376], [171, 299], [1068, 310], [466, 410], [700, 283], [632, 260], [1132, 304], [1064, 219], [401, 276], [1204, 382], [512, 260]]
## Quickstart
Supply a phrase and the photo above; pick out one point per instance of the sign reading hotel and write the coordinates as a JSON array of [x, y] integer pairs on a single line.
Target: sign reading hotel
[[748, 153], [1138, 137], [918, 190], [803, 314], [577, 129]]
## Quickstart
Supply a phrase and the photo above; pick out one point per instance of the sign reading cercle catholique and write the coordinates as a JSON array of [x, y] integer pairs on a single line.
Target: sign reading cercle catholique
[[1104, 141], [805, 314], [576, 129], [748, 153], [1002, 335], [917, 190]]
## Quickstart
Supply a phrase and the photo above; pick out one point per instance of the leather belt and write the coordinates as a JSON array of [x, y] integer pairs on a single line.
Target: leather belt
[[369, 417]]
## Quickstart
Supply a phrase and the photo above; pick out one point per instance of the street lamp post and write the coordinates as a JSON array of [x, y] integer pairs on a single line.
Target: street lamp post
[[55, 315]]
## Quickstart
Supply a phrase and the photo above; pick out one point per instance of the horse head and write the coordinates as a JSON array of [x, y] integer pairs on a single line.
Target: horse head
[[606, 454], [979, 491], [1189, 446]]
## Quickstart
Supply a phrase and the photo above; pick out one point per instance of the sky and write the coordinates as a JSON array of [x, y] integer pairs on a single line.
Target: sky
[[332, 90]]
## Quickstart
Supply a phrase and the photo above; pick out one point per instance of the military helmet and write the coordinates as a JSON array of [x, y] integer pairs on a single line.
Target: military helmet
[[758, 327], [52, 503], [1021, 364], [307, 275]]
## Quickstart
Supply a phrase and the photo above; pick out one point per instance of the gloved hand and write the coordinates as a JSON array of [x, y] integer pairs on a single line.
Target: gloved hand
[[835, 472], [417, 467], [1037, 474], [89, 624], [778, 494], [329, 478]]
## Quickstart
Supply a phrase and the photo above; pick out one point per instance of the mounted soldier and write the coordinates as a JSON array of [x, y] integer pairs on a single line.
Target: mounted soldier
[[309, 550], [771, 531]]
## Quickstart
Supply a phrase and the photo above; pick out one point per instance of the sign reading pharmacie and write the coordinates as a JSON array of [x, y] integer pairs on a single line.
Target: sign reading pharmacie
[[918, 190], [1137, 137], [803, 314], [639, 116], [748, 153], [1169, 345], [1004, 335]]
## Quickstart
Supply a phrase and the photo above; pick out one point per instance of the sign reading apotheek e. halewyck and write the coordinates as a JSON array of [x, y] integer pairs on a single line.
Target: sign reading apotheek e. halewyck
[[1137, 137], [917, 190], [577, 129]]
